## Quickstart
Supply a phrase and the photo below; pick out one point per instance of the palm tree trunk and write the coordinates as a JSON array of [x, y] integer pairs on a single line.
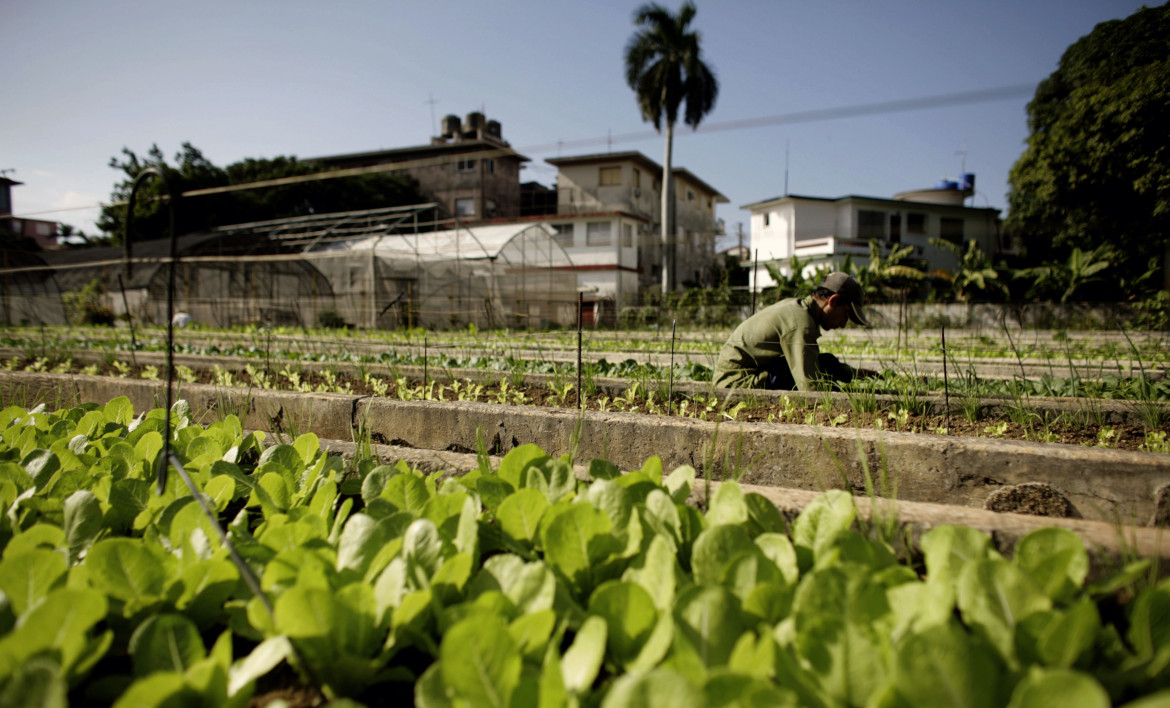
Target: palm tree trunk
[[667, 216]]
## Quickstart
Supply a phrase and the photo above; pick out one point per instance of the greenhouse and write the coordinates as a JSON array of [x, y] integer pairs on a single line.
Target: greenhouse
[[495, 275], [384, 268]]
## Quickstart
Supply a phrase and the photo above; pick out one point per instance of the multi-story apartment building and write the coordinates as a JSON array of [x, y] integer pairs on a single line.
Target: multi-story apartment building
[[469, 169], [620, 194]]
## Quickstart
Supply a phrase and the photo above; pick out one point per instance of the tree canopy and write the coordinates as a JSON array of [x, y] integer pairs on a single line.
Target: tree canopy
[[194, 171], [1097, 165]]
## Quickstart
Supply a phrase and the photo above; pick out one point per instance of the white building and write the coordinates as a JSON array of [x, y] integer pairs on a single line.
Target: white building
[[826, 230]]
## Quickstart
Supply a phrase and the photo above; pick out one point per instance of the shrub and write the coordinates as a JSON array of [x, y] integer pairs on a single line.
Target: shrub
[[331, 319], [85, 306]]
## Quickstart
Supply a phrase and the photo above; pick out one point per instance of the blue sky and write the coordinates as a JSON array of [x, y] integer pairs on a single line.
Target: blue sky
[[261, 78]]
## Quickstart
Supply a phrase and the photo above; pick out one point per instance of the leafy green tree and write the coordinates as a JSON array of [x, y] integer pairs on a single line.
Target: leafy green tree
[[665, 68], [1097, 166], [193, 171], [974, 274]]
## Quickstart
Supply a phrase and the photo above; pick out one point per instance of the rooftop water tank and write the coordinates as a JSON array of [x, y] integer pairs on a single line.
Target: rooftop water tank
[[451, 125], [473, 123]]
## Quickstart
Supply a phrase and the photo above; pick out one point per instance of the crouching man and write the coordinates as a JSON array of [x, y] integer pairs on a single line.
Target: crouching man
[[776, 348]]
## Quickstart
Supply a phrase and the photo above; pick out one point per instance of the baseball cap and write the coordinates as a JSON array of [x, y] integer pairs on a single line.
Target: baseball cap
[[847, 287]]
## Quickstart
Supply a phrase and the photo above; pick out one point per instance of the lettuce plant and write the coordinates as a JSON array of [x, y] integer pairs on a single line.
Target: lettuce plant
[[516, 586]]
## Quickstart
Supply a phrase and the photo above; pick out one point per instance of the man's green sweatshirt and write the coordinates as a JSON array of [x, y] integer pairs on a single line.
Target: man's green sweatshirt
[[785, 330]]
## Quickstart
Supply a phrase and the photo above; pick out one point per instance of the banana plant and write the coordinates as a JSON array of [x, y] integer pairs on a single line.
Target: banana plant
[[1081, 269], [893, 274], [973, 274]]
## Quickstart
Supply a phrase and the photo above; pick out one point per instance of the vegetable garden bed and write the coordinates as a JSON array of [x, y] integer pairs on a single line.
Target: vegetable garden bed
[[1092, 482], [518, 585], [1139, 424]]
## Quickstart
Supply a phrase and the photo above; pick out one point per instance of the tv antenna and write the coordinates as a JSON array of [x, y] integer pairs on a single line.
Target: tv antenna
[[431, 100]]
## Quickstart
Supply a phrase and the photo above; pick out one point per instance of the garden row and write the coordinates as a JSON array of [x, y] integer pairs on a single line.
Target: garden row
[[1062, 480], [1088, 352], [265, 571], [971, 407]]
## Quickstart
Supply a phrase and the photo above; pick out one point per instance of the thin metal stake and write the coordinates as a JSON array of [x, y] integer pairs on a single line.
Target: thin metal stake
[[246, 572], [580, 318], [424, 362], [126, 246], [670, 394], [946, 381]]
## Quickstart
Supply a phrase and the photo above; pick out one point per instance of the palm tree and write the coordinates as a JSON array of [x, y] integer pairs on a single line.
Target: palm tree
[[664, 67]]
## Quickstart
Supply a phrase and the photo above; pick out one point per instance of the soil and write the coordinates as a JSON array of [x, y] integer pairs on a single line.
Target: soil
[[1066, 430]]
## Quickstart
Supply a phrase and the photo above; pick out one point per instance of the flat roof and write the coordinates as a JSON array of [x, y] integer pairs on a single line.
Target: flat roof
[[885, 200], [403, 154], [635, 156]]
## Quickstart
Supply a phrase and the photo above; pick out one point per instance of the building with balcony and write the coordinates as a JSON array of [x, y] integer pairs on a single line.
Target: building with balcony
[[823, 231], [625, 190]]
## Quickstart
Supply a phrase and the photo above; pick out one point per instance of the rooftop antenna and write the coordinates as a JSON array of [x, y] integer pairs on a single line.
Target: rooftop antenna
[[786, 168], [609, 139], [431, 100], [963, 167]]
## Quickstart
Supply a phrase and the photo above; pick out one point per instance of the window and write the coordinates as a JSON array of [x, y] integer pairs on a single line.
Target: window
[[871, 224], [465, 165], [563, 235], [611, 176], [490, 165], [637, 179], [951, 229], [895, 228], [627, 236], [915, 223], [690, 195], [597, 233], [767, 218], [465, 206]]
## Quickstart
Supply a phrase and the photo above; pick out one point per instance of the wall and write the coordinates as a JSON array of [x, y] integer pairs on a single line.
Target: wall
[[1040, 315]]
